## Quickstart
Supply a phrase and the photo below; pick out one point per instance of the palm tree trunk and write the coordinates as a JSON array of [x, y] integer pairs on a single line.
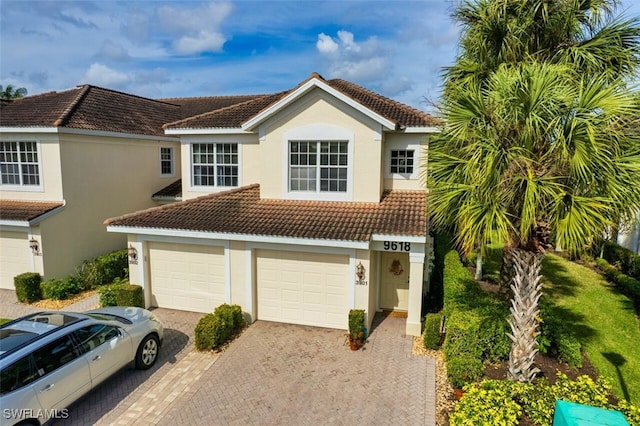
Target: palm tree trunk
[[478, 276], [527, 290], [506, 272]]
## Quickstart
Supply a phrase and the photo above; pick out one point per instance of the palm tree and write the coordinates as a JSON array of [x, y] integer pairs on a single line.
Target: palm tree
[[11, 92], [536, 148]]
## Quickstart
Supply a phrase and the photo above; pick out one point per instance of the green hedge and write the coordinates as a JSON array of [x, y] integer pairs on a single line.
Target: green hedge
[[130, 295], [504, 402], [356, 320], [431, 337], [476, 321], [121, 293], [557, 338], [28, 287], [625, 259], [104, 269], [627, 285], [219, 327]]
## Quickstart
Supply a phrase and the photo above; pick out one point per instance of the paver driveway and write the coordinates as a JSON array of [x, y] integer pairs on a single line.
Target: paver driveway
[[286, 374]]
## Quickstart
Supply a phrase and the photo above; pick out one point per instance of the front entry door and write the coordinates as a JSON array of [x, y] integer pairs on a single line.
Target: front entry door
[[394, 281]]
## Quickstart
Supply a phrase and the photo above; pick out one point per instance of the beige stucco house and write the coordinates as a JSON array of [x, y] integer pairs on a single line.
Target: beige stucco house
[[70, 159], [298, 206]]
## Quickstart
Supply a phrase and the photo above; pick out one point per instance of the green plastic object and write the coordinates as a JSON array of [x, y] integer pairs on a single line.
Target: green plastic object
[[572, 414]]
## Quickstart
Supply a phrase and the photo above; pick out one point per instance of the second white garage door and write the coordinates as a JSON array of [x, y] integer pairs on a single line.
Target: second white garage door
[[303, 288], [187, 277]]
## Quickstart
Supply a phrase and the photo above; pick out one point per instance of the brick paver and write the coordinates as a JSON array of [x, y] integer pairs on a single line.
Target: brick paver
[[272, 374], [286, 374]]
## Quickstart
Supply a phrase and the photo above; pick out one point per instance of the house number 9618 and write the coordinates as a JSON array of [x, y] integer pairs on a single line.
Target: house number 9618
[[397, 246]]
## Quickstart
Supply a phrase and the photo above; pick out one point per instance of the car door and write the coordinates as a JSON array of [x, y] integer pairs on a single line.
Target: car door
[[64, 374], [106, 349]]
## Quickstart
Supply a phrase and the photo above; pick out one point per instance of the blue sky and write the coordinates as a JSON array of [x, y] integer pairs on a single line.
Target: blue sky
[[185, 48]]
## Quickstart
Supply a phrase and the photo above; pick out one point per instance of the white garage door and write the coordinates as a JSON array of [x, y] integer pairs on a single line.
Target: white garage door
[[187, 277], [15, 257], [303, 288]]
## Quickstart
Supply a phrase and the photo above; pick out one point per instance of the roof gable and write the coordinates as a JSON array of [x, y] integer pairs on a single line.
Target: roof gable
[[315, 81]]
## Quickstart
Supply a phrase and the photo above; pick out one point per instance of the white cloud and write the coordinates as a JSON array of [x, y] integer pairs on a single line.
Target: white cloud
[[101, 75], [203, 42], [197, 30], [348, 59], [326, 45]]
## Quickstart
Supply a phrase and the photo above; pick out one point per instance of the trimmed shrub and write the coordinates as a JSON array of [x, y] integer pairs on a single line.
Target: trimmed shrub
[[218, 327], [356, 320], [61, 289], [129, 295], [431, 337], [462, 337], [108, 294], [557, 338], [205, 338], [462, 370], [493, 336], [625, 259], [104, 269], [28, 287], [626, 284]]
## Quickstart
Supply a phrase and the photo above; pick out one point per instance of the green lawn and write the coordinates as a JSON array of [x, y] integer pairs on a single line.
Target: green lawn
[[3, 320], [603, 319]]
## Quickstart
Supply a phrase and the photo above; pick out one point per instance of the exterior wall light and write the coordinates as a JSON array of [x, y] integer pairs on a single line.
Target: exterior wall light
[[133, 255], [34, 245], [360, 271]]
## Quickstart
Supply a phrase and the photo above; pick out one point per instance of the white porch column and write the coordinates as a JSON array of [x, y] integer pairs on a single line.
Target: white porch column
[[416, 275]]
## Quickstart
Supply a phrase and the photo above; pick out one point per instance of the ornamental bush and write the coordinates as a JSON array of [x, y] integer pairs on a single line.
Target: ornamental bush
[[61, 289], [356, 320], [129, 295], [28, 287], [219, 327], [109, 293], [431, 337], [104, 269], [503, 402], [625, 259], [627, 285], [462, 370]]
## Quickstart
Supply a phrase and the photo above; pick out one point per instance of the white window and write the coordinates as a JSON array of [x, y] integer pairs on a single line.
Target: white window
[[19, 163], [166, 161], [402, 161], [214, 164], [318, 166]]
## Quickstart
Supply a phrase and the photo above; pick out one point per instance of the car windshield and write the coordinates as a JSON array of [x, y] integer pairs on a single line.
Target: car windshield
[[110, 317]]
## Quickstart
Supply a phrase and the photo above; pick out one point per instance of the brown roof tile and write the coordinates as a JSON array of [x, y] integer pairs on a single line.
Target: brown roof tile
[[233, 116], [90, 108], [241, 211], [190, 107], [24, 210]]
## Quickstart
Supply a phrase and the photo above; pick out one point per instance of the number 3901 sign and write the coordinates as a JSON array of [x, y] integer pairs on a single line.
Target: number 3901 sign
[[396, 246]]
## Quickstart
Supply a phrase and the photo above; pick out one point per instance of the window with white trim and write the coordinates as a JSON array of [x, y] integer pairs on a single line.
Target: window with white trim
[[166, 161], [214, 164], [402, 161], [318, 166], [19, 163]]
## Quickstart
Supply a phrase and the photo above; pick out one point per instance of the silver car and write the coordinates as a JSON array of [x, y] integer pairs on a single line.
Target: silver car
[[50, 359]]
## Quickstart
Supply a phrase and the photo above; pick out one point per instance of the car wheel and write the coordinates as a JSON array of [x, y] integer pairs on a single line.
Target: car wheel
[[147, 352]]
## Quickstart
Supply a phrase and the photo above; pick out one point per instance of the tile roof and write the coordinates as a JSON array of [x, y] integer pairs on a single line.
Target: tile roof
[[172, 191], [24, 211], [90, 108], [234, 115], [190, 107], [241, 211]]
